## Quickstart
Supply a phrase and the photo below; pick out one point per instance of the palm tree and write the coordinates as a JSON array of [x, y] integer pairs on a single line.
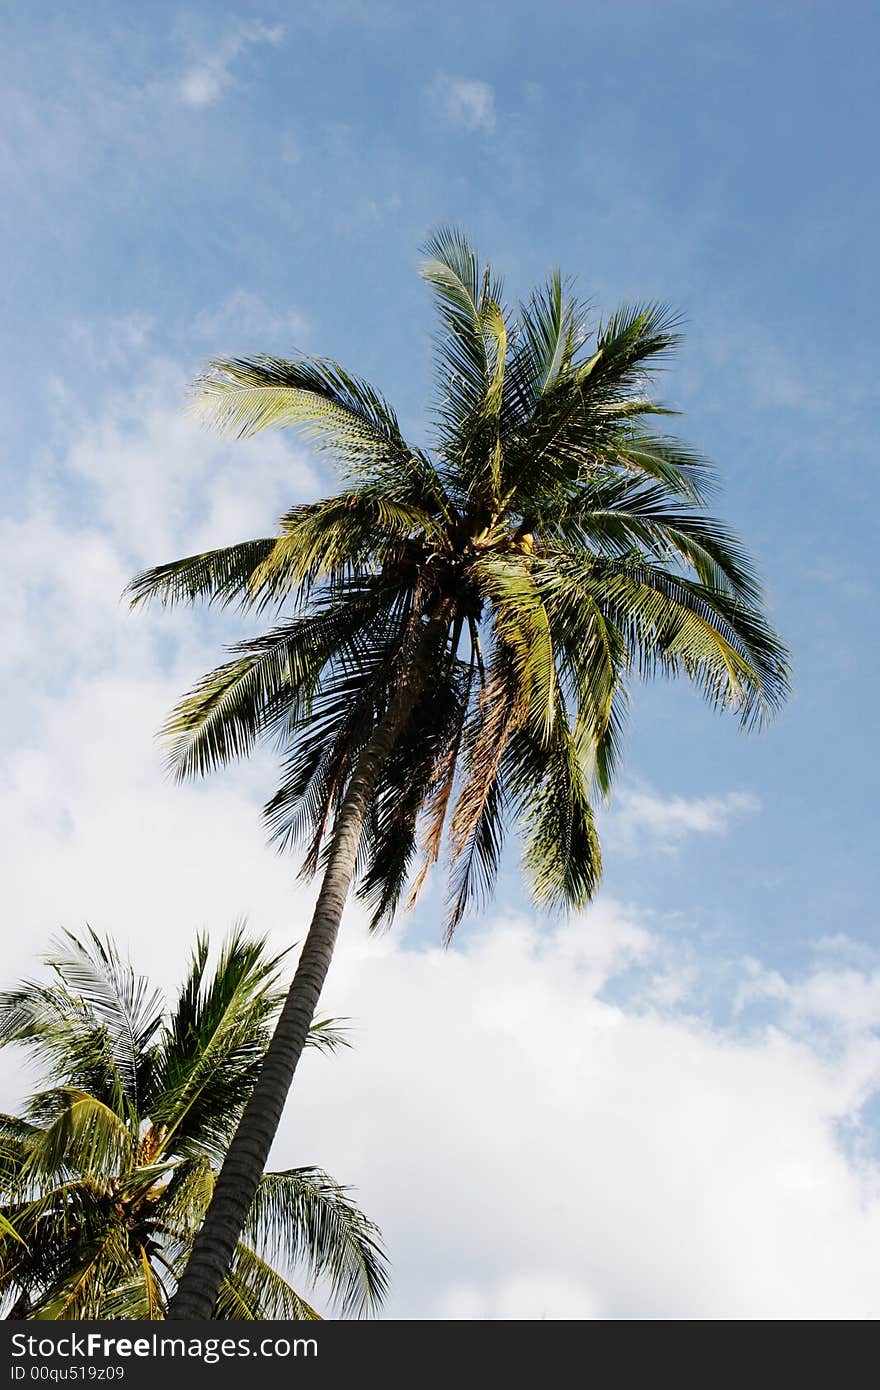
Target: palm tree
[[106, 1178], [459, 626]]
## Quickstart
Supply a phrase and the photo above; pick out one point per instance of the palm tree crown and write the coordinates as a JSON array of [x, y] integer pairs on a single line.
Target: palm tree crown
[[106, 1178], [551, 544]]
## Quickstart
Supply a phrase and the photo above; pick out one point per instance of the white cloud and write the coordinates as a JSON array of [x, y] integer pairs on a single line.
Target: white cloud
[[847, 1000], [202, 85], [158, 482], [209, 78], [639, 816], [464, 102], [111, 343], [532, 1293], [246, 318], [533, 1151]]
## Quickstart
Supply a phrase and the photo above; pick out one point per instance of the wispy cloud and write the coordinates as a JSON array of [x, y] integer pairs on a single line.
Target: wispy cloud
[[209, 77], [244, 318], [111, 343], [844, 999], [640, 815], [464, 102]]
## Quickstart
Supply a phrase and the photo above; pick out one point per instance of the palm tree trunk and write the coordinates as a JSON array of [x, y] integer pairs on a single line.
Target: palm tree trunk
[[245, 1161]]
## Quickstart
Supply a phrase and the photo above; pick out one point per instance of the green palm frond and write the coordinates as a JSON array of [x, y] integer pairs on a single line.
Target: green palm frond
[[328, 1035], [182, 1204], [86, 1137], [553, 327], [62, 1035], [413, 795], [326, 743], [623, 516], [243, 395], [562, 859], [96, 1020], [8, 1232], [452, 270], [63, 1206], [471, 353], [209, 1056], [362, 529], [522, 627], [221, 719], [632, 336], [682, 470], [672, 625], [81, 1293], [270, 684], [120, 1000], [252, 1291], [222, 577], [140, 1294], [331, 1236]]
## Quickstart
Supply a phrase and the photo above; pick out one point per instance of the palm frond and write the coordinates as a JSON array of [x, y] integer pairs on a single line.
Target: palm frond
[[138, 1295], [214, 1044], [222, 577], [470, 346], [120, 999], [268, 685], [355, 691], [304, 1215], [522, 627], [622, 515], [633, 336], [562, 859], [327, 1035], [252, 1291], [553, 327], [475, 859], [181, 1206], [62, 1035], [411, 781], [94, 1022], [360, 530], [8, 1232], [673, 464], [339, 411], [80, 1293], [87, 1138]]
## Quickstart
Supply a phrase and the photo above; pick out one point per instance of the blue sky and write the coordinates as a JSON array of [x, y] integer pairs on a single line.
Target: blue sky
[[182, 180]]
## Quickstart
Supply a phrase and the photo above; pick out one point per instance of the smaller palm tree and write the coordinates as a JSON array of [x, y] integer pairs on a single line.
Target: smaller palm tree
[[106, 1178]]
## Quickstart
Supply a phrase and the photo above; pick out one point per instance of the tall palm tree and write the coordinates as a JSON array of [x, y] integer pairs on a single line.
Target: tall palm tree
[[106, 1178], [457, 626]]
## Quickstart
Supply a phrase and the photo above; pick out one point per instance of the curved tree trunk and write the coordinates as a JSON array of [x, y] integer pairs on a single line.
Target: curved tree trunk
[[245, 1161]]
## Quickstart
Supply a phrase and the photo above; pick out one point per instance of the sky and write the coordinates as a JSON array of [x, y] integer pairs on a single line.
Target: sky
[[667, 1105]]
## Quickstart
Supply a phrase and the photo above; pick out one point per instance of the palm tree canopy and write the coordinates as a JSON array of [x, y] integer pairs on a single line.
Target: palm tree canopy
[[107, 1176], [561, 539]]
